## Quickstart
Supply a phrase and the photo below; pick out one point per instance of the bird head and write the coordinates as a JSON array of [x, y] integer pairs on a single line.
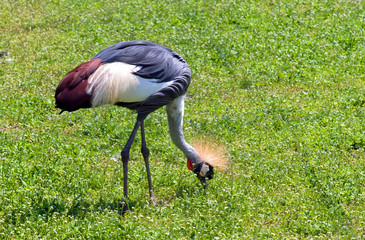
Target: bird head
[[210, 155], [202, 170]]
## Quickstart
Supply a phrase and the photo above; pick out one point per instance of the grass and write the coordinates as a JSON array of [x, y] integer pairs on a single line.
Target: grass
[[280, 83]]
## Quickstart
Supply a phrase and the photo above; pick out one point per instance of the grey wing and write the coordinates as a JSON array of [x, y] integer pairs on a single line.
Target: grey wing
[[156, 62]]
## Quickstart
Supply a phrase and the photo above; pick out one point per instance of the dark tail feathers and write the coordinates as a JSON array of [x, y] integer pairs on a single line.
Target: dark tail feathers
[[71, 91]]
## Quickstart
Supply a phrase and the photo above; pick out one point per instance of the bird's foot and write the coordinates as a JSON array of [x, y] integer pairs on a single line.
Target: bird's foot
[[155, 203], [123, 207], [169, 201], [161, 203]]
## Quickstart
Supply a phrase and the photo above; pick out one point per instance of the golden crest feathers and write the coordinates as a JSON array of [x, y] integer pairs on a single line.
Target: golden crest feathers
[[211, 152]]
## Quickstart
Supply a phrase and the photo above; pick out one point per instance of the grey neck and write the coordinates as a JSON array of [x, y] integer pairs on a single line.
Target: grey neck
[[175, 114]]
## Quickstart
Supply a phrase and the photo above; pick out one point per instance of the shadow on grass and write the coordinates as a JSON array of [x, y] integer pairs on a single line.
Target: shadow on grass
[[80, 208], [185, 192]]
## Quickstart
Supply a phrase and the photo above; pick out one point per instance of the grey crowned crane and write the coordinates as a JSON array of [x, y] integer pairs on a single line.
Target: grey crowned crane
[[142, 76]]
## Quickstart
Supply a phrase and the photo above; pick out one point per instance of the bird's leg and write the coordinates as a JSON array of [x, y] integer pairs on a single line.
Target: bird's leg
[[125, 158], [146, 153]]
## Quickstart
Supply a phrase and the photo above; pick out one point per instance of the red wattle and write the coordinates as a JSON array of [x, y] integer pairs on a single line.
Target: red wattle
[[190, 165]]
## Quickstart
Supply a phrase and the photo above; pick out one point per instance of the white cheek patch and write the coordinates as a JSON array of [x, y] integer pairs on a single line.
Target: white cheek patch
[[204, 169]]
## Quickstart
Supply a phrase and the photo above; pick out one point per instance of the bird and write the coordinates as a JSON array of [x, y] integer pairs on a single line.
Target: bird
[[142, 76]]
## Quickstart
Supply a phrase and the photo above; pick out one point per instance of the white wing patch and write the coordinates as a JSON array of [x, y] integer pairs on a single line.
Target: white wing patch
[[115, 82]]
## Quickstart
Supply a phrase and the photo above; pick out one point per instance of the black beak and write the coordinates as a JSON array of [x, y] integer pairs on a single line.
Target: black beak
[[203, 178], [204, 182]]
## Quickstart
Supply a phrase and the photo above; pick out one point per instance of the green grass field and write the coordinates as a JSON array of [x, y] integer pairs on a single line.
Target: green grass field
[[279, 83]]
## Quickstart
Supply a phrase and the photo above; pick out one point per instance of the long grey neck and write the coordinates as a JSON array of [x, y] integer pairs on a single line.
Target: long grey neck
[[175, 114]]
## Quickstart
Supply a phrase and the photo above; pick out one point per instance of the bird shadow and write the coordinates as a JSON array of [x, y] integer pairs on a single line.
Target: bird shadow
[[79, 208]]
